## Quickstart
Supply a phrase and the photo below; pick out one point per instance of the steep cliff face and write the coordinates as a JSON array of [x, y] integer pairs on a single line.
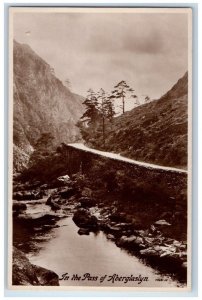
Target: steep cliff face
[[41, 104]]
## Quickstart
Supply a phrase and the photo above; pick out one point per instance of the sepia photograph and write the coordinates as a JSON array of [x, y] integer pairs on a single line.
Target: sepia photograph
[[100, 139]]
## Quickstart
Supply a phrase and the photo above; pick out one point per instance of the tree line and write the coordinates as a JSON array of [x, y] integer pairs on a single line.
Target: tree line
[[100, 106]]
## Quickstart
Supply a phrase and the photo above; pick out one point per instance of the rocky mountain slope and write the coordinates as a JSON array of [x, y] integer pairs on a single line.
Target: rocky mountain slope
[[42, 104], [155, 132]]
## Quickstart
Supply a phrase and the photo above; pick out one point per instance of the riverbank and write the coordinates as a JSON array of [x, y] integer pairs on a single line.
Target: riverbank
[[151, 244]]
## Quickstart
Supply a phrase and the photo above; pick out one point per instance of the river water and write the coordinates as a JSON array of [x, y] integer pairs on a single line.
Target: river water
[[64, 251]]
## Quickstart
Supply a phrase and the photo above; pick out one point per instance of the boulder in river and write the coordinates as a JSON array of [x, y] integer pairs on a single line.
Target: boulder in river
[[83, 231], [110, 237], [109, 228], [132, 242], [87, 202], [149, 252], [54, 206], [52, 203], [86, 192], [44, 186], [49, 200], [64, 179], [126, 241], [67, 193], [84, 219], [162, 223], [118, 217], [61, 181], [25, 273]]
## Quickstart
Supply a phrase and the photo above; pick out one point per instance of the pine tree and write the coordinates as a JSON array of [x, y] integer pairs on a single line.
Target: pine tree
[[120, 92], [106, 110], [110, 108], [102, 110], [92, 112]]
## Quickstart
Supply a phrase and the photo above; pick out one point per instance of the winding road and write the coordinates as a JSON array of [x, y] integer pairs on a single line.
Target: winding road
[[115, 156]]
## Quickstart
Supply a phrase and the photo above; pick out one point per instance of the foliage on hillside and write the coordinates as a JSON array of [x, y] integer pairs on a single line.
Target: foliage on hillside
[[155, 132], [45, 164]]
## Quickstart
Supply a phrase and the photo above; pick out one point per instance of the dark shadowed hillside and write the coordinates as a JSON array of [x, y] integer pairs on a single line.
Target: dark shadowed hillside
[[155, 132], [42, 104]]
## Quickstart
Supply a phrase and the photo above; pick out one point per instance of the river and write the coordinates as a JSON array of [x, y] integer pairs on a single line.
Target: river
[[64, 251]]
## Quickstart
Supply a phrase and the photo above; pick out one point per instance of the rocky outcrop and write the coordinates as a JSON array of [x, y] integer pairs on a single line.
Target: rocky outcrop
[[25, 273]]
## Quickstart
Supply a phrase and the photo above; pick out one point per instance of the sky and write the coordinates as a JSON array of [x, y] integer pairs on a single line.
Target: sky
[[147, 50]]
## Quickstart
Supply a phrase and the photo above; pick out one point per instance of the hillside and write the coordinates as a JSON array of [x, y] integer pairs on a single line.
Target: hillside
[[155, 132], [42, 104]]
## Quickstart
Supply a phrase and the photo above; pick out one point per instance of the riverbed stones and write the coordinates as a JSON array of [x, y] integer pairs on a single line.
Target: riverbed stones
[[124, 226], [170, 252], [67, 193], [149, 242], [87, 202], [38, 220], [54, 206], [118, 217], [109, 228], [110, 237], [53, 203], [131, 242], [49, 200], [27, 195], [126, 241], [149, 252], [86, 192], [139, 241], [64, 179]]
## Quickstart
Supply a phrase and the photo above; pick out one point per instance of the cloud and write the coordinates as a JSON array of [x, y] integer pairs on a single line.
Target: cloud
[[97, 50], [145, 34]]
